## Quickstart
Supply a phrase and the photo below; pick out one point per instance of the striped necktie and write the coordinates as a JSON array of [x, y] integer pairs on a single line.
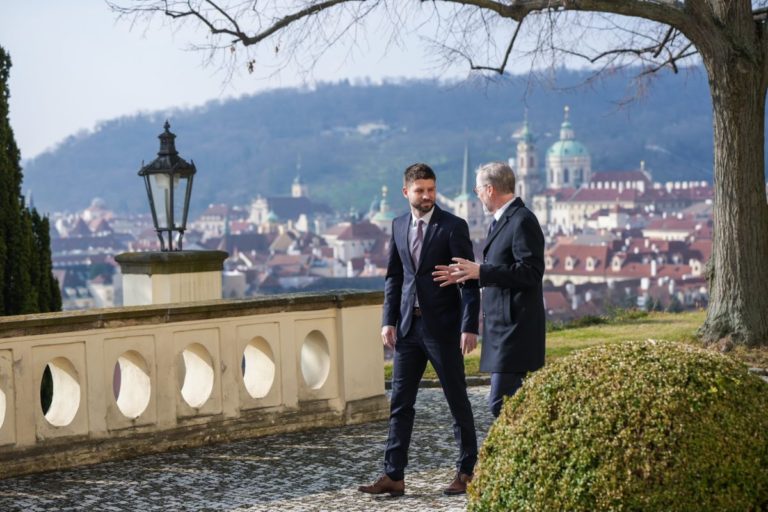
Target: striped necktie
[[417, 242]]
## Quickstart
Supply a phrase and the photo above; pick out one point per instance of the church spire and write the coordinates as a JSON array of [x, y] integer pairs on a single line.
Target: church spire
[[465, 174], [384, 205], [566, 130], [526, 135]]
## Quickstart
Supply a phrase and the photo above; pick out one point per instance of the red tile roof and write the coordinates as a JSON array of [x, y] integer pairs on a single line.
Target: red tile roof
[[358, 231], [675, 272], [579, 254], [555, 301], [631, 269], [672, 224], [700, 249]]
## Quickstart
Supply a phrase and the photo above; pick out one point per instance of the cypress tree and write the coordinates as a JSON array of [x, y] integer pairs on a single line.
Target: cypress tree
[[25, 254], [47, 286], [24, 263]]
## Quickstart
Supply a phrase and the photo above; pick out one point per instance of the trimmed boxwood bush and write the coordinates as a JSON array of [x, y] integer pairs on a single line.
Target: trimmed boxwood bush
[[642, 426]]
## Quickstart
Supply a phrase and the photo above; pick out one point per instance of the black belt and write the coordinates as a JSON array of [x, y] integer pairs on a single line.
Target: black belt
[[416, 311]]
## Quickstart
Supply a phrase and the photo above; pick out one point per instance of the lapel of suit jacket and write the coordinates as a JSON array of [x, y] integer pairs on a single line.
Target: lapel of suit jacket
[[402, 226], [516, 205], [430, 232]]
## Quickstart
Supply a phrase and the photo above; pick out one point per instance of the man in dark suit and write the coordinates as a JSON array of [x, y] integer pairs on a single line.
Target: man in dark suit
[[422, 322], [511, 279]]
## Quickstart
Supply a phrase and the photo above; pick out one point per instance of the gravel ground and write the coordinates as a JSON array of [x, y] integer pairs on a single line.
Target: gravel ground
[[309, 471]]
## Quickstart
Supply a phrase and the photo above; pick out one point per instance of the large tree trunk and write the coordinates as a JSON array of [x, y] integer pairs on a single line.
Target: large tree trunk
[[738, 277]]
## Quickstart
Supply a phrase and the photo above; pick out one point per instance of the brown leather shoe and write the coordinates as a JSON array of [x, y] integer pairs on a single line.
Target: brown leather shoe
[[459, 485], [384, 485]]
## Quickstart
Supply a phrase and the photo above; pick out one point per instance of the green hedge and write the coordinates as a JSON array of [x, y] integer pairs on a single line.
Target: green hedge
[[633, 426]]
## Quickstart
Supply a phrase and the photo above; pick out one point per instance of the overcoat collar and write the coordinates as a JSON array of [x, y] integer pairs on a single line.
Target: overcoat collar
[[508, 213]]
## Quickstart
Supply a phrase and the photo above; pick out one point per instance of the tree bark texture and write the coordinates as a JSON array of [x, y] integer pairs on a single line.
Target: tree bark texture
[[738, 287]]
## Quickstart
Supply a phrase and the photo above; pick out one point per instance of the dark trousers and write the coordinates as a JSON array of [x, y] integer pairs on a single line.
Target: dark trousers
[[503, 384], [411, 355]]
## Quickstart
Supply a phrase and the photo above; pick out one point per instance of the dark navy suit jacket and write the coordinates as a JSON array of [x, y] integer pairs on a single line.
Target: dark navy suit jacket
[[446, 312], [513, 301]]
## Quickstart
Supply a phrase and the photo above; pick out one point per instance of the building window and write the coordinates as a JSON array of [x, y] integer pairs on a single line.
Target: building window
[[569, 263], [566, 176]]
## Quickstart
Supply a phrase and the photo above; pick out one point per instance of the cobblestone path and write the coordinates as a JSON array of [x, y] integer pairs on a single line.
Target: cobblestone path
[[317, 470]]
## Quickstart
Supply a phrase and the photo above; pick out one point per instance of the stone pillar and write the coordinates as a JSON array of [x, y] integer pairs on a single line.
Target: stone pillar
[[174, 276]]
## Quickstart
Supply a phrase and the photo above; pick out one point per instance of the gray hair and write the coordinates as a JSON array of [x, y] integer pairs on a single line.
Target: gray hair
[[498, 174]]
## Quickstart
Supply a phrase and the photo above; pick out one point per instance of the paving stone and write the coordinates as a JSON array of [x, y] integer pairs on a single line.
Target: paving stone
[[318, 470]]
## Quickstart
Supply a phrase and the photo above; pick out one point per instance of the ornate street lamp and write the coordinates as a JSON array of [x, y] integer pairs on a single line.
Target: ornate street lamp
[[166, 178], [169, 275]]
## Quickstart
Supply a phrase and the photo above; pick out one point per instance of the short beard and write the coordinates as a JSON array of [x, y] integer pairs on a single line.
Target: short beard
[[422, 208]]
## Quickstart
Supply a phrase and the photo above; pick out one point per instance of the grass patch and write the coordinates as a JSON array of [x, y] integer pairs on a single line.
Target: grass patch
[[628, 325]]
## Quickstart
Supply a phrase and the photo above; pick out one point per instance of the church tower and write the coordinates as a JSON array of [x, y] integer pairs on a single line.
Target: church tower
[[528, 178], [298, 188], [568, 162], [467, 206], [384, 217]]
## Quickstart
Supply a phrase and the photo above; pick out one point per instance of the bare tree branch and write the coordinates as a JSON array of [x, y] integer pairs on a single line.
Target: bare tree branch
[[663, 42], [496, 69], [468, 27], [670, 12]]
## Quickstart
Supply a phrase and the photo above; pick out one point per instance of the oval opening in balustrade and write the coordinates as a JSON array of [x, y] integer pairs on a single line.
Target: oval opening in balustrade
[[60, 392], [2, 408], [131, 384], [258, 367], [315, 360], [198, 375]]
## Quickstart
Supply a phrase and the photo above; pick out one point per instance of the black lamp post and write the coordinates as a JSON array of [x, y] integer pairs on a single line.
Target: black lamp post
[[167, 177]]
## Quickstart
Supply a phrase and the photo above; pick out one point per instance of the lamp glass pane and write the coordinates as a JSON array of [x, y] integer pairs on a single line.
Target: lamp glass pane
[[161, 194], [179, 196]]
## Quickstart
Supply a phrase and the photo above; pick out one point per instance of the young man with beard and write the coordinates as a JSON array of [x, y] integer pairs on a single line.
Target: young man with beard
[[423, 321]]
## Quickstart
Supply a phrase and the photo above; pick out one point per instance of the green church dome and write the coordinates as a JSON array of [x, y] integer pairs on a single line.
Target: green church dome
[[567, 148], [384, 217], [462, 197]]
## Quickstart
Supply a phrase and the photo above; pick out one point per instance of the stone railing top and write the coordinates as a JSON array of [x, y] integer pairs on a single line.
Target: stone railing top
[[170, 262], [69, 321]]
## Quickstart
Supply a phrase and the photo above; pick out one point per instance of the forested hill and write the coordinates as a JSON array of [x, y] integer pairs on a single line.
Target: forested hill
[[349, 140]]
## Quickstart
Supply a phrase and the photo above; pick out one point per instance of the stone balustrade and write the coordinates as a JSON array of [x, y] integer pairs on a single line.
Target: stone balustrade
[[144, 379]]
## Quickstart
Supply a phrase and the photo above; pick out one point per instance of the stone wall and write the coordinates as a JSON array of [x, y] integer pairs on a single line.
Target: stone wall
[[144, 379]]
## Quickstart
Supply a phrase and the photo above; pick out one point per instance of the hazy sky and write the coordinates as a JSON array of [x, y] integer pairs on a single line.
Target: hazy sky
[[74, 65]]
